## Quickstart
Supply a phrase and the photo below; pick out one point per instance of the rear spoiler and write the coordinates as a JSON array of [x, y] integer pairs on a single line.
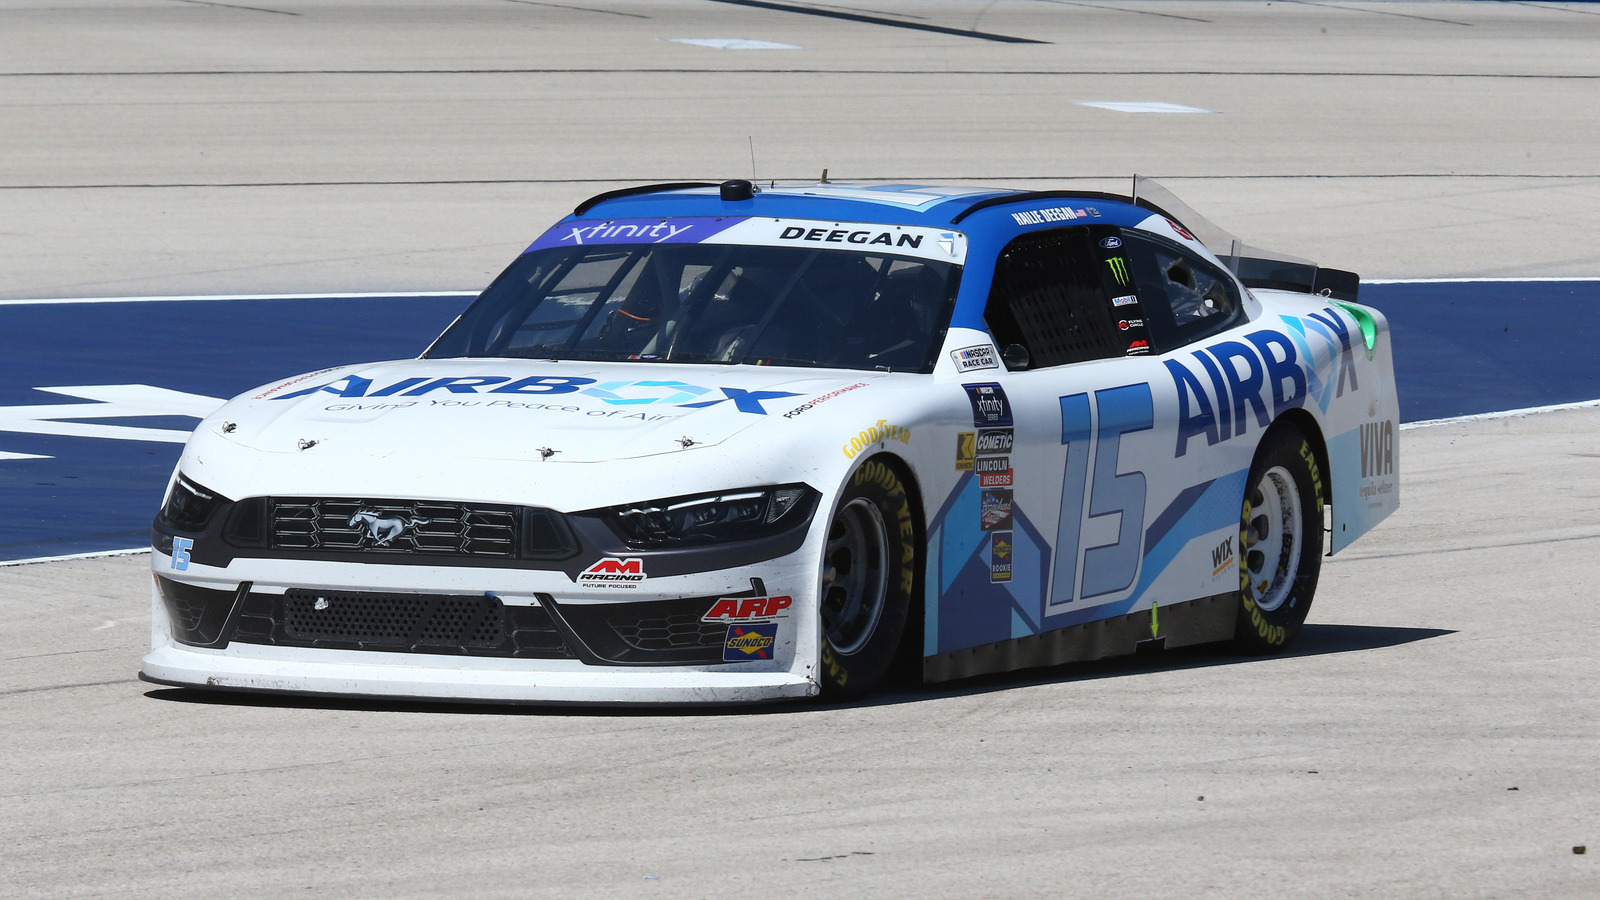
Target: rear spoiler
[[1255, 267]]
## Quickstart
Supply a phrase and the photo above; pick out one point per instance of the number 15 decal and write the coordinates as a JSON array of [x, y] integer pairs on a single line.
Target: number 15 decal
[[1092, 427]]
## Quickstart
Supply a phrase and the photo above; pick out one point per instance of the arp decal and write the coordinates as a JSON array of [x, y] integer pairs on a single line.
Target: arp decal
[[989, 404], [747, 609], [747, 642], [611, 572], [995, 511], [1000, 547], [977, 357]]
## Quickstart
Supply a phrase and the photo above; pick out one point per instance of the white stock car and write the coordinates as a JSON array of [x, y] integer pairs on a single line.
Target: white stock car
[[715, 443]]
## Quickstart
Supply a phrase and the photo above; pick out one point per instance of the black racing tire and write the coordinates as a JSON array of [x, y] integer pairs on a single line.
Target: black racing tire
[[869, 569], [1280, 542]]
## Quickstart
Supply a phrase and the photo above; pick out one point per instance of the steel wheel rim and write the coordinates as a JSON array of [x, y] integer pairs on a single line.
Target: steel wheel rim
[[855, 581], [1270, 539]]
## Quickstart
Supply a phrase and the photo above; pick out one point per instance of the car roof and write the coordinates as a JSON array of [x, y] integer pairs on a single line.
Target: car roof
[[938, 206]]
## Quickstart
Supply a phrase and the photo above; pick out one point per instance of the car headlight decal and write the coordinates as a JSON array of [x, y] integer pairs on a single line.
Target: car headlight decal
[[712, 518]]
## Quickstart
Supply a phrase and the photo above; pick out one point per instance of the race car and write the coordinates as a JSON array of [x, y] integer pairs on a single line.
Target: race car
[[724, 443]]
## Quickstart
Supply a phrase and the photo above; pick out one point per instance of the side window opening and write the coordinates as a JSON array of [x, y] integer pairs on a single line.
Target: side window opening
[[1183, 298], [1050, 299]]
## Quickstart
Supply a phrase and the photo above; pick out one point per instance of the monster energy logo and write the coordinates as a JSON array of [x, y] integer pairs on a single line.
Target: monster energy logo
[[1119, 269]]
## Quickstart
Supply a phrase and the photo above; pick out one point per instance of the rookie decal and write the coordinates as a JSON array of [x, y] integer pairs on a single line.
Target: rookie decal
[[996, 511], [747, 609], [966, 449], [614, 573], [989, 404], [979, 357], [747, 642], [1000, 557]]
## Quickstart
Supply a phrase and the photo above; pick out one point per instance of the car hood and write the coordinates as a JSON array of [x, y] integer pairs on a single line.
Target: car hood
[[493, 409]]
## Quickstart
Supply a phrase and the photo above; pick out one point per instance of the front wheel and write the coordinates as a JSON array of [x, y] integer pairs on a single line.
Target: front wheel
[[868, 575], [1280, 542]]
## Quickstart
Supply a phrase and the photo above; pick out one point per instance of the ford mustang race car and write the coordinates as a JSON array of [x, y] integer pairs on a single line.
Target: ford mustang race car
[[723, 443]]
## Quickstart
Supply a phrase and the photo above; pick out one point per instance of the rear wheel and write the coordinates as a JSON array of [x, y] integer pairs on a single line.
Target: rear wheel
[[1280, 542], [868, 575]]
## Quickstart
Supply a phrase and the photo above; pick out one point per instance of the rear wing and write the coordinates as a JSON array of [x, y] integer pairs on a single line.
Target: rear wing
[[1255, 267]]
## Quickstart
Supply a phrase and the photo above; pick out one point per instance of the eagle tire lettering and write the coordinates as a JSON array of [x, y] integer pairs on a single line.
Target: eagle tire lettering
[[1280, 542], [869, 577]]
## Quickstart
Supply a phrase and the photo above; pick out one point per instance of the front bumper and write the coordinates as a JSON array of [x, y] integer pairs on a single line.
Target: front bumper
[[538, 637]]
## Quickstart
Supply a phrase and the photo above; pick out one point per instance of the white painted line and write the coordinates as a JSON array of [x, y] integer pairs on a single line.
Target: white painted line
[[382, 295], [5, 456], [96, 555], [734, 44], [1135, 107], [1503, 414]]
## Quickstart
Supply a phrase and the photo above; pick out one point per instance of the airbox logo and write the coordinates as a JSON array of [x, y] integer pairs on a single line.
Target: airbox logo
[[616, 393], [614, 573]]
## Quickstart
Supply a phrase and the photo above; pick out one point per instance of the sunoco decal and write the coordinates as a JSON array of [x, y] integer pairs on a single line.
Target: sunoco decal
[[747, 642]]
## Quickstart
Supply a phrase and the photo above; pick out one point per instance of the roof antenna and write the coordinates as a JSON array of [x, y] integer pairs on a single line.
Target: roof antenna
[[1135, 198], [752, 141], [824, 178]]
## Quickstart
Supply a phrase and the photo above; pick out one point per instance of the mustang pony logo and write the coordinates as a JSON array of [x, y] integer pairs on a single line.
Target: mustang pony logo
[[382, 529]]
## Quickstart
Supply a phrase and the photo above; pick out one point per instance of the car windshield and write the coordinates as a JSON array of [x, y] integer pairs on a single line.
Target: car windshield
[[712, 303]]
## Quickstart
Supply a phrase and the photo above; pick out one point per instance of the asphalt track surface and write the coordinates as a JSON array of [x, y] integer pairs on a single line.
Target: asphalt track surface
[[1434, 732]]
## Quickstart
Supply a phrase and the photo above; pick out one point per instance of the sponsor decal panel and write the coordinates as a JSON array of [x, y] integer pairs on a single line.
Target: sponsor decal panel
[[1053, 214], [1138, 348], [617, 393], [747, 609], [979, 357], [1125, 300], [809, 404], [624, 574], [995, 510], [1377, 461], [989, 405], [1111, 243], [1222, 555], [1119, 270], [992, 441], [876, 433], [1000, 546], [993, 471], [747, 642], [1125, 324], [966, 449], [1225, 386], [677, 230]]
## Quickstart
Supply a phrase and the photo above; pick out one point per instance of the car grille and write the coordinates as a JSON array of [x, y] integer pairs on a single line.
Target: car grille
[[400, 623], [674, 632], [397, 526]]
